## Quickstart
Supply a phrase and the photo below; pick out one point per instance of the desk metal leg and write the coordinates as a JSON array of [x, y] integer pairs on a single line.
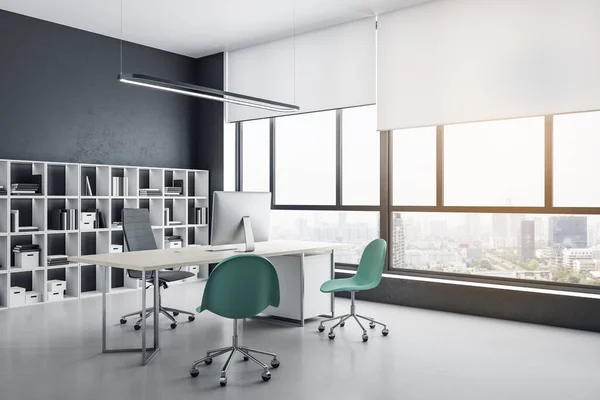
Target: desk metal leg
[[147, 354]]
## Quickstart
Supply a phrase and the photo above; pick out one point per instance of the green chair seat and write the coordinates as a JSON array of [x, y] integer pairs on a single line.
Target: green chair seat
[[343, 285]]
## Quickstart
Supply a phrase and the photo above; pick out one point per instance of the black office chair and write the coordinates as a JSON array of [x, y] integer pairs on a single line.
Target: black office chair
[[138, 235]]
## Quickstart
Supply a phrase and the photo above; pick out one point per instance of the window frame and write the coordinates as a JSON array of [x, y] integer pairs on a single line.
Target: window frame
[[386, 207]]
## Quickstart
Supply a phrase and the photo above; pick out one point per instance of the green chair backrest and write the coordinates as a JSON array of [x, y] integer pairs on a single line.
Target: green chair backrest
[[371, 264], [241, 286]]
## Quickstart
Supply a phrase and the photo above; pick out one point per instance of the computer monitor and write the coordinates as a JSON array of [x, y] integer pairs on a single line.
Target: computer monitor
[[240, 217]]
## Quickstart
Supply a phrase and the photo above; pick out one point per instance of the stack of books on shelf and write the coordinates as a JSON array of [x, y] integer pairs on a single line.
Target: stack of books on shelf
[[58, 259], [168, 218], [173, 191], [28, 189], [150, 192], [173, 238], [120, 186], [201, 216], [2, 191], [63, 219], [116, 225], [25, 248]]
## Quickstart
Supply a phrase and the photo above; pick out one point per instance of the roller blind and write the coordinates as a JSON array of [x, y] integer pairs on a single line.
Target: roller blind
[[331, 68], [458, 61]]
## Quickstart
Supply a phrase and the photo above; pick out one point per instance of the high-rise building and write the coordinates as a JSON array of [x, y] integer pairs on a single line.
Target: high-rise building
[[499, 230], [568, 232], [399, 247], [527, 240]]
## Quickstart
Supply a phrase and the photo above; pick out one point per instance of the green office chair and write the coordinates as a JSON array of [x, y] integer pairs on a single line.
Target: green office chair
[[241, 286], [367, 277]]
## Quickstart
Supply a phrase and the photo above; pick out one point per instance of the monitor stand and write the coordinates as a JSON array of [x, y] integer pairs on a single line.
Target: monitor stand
[[249, 235]]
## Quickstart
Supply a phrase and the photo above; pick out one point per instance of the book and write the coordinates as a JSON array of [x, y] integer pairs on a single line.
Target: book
[[14, 220], [88, 187]]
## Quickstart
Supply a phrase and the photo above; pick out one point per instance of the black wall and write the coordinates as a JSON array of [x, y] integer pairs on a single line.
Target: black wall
[[539, 308], [60, 100], [210, 72]]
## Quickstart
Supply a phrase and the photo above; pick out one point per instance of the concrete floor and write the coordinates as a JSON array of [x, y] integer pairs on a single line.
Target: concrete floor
[[52, 352]]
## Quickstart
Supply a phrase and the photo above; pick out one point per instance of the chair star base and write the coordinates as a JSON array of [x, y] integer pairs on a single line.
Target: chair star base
[[231, 350], [342, 321]]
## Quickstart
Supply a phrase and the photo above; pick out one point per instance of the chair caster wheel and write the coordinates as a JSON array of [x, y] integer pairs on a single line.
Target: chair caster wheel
[[223, 381], [372, 325], [137, 327], [266, 376], [275, 363], [191, 318], [321, 328], [342, 324], [123, 321], [173, 325], [385, 331], [365, 337], [246, 358], [175, 313], [194, 372], [208, 361], [331, 335]]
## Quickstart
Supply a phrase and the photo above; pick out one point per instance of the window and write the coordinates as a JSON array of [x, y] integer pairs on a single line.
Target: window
[[576, 144], [360, 156], [354, 227], [551, 248], [229, 157], [498, 163], [414, 167], [255, 156], [305, 161]]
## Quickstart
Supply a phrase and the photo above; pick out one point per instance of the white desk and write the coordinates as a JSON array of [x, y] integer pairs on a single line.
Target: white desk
[[301, 267]]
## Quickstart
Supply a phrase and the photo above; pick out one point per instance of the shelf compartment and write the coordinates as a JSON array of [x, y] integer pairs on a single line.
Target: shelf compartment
[[32, 211], [179, 176], [198, 183], [28, 172], [30, 280], [90, 280], [63, 179], [33, 238], [192, 205], [66, 243], [99, 178], [131, 173], [151, 178], [156, 209], [197, 235], [54, 207], [4, 215], [69, 274], [177, 211]]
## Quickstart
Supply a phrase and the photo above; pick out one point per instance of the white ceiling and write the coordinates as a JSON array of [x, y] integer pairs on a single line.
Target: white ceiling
[[197, 28]]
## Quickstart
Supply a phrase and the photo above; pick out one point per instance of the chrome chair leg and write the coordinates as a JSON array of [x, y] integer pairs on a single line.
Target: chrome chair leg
[[169, 316], [175, 310], [245, 351]]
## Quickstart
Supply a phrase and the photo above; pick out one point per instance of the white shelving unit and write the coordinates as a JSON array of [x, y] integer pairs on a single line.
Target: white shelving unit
[[64, 186]]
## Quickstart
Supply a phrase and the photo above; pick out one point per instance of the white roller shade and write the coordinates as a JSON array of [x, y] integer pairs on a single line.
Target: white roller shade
[[463, 60], [331, 68]]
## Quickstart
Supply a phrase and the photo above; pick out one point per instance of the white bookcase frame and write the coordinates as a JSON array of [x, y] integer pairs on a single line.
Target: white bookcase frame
[[64, 186]]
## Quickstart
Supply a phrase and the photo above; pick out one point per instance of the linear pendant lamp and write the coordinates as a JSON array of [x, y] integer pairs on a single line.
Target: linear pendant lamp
[[204, 92]]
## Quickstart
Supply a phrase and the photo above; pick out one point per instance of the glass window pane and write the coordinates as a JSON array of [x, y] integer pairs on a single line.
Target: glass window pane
[[229, 157], [360, 156], [576, 144], [305, 159], [354, 227], [499, 163], [554, 248], [414, 167], [255, 156]]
